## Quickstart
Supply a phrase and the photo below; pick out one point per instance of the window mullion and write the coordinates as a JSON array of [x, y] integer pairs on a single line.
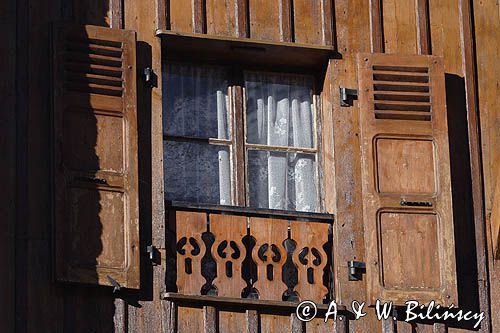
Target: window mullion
[[237, 106]]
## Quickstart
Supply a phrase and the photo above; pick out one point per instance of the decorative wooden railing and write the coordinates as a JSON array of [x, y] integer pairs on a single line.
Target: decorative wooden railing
[[243, 253]]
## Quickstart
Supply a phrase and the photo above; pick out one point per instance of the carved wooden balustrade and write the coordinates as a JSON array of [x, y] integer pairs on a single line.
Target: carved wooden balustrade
[[246, 253]]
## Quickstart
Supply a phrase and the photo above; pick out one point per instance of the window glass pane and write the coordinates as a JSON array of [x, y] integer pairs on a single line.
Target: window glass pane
[[197, 173], [279, 180], [279, 109], [196, 102]]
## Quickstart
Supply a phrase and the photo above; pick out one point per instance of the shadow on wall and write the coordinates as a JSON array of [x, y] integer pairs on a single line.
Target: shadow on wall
[[91, 150], [465, 241]]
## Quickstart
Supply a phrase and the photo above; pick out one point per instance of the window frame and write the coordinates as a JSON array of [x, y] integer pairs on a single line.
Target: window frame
[[237, 142]]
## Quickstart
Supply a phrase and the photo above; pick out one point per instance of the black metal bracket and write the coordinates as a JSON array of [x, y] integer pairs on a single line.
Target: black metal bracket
[[356, 269], [114, 283], [150, 77], [154, 255], [347, 96]]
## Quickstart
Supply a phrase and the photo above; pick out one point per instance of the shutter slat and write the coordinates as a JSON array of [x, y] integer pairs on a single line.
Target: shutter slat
[[407, 208], [95, 145]]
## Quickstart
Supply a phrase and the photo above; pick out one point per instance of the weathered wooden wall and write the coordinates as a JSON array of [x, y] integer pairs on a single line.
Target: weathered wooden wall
[[487, 26], [31, 301]]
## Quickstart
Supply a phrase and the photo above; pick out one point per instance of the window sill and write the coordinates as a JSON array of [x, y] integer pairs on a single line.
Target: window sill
[[249, 211], [246, 51], [242, 303]]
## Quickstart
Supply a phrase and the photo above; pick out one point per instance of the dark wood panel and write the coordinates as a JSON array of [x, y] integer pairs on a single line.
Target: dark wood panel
[[8, 164]]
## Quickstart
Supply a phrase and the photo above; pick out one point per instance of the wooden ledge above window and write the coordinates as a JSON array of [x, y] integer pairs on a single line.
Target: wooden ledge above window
[[246, 51]]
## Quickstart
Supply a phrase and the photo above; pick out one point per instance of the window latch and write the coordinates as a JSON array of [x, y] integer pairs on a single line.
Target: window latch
[[150, 77], [347, 96], [153, 255], [356, 269]]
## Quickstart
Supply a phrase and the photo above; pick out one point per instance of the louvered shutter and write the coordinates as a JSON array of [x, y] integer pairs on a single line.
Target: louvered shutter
[[95, 164], [495, 217], [407, 206]]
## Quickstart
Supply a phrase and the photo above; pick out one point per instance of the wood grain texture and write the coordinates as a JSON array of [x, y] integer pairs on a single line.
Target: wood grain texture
[[400, 26], [478, 203], [181, 15], [423, 22], [439, 328], [261, 13], [312, 22], [252, 321], [376, 26], [229, 231], [495, 218], [169, 315], [487, 24], [222, 17], [269, 234], [382, 203], [210, 319], [310, 237], [274, 323], [97, 205], [190, 320], [140, 18], [189, 227], [230, 321], [296, 325], [353, 36]]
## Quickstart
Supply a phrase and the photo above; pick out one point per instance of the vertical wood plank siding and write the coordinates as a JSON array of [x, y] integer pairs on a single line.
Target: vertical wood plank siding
[[486, 27], [32, 302]]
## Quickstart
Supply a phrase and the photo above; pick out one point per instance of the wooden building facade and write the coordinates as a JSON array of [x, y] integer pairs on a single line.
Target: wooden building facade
[[389, 162]]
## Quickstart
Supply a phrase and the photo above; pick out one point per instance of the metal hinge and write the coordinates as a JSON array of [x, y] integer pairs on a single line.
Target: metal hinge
[[347, 96], [356, 269], [150, 77], [154, 255]]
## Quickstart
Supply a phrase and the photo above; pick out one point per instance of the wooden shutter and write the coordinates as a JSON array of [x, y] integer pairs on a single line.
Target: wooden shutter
[[407, 207], [495, 217], [95, 147]]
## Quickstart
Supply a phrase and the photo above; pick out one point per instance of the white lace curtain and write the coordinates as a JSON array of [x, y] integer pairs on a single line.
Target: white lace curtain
[[197, 106], [280, 113]]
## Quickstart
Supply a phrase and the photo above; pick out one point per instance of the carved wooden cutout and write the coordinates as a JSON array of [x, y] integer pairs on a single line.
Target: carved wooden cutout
[[310, 259], [269, 254], [190, 249], [229, 253]]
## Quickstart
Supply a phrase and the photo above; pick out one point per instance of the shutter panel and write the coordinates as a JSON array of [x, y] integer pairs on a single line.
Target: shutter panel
[[495, 217], [95, 147], [407, 208]]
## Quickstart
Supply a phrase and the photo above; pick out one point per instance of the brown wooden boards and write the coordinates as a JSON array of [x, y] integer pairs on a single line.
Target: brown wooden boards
[[302, 21], [229, 253], [310, 259], [95, 147], [269, 255], [190, 249], [406, 179], [495, 218]]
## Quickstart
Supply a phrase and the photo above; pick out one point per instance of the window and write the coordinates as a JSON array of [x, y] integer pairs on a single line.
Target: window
[[262, 152]]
